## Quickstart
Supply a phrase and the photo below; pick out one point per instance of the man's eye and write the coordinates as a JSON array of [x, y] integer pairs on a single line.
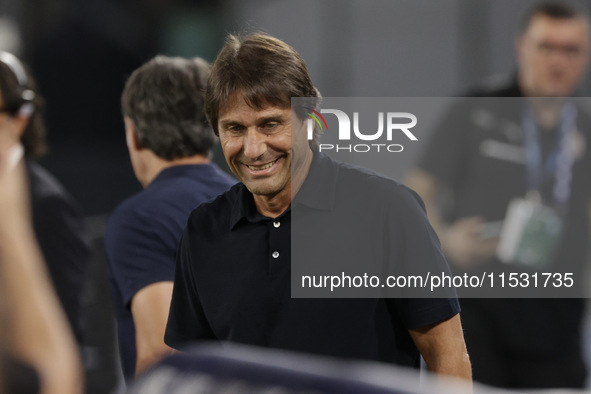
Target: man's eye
[[234, 128], [572, 50], [545, 48], [270, 125]]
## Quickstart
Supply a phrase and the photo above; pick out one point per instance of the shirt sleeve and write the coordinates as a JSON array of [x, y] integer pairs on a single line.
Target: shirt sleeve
[[138, 251], [418, 253], [187, 321]]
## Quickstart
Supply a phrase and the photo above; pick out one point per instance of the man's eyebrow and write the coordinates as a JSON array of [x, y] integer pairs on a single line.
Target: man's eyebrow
[[272, 118], [229, 122], [264, 119]]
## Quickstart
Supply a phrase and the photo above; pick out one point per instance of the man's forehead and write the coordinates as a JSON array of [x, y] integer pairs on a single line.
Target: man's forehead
[[561, 29], [237, 108]]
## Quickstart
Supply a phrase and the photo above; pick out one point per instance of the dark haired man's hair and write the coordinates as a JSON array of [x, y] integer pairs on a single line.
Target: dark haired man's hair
[[552, 9], [164, 99], [264, 70], [33, 138]]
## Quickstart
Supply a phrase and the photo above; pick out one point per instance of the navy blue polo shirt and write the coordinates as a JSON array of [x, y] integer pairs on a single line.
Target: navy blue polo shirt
[[232, 281], [142, 237]]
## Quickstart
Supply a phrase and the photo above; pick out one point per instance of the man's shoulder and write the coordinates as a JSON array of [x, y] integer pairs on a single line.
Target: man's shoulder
[[496, 86], [123, 218], [137, 214], [219, 208], [356, 181], [181, 191], [197, 182], [352, 175], [204, 175], [130, 207]]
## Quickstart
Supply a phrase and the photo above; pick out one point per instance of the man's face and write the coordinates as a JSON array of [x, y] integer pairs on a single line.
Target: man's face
[[257, 145], [552, 56]]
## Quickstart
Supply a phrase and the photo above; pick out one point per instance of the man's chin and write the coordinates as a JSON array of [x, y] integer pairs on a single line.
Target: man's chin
[[260, 189], [557, 94], [557, 91]]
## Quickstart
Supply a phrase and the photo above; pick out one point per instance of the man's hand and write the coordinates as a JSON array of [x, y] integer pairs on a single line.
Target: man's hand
[[443, 348], [149, 308], [464, 244]]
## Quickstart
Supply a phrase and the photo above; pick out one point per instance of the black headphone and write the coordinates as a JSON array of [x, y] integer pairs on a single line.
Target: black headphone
[[25, 107]]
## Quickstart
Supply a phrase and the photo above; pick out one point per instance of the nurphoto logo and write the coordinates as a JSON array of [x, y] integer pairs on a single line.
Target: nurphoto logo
[[396, 123]]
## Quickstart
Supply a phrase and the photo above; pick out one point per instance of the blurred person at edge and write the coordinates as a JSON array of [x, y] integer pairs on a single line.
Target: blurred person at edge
[[170, 143], [56, 218], [38, 353], [517, 342]]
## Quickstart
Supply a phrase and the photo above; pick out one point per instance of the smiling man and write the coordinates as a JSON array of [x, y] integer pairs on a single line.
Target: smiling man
[[258, 148], [233, 277]]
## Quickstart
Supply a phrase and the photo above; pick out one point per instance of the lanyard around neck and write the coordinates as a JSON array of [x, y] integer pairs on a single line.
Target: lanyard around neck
[[559, 163]]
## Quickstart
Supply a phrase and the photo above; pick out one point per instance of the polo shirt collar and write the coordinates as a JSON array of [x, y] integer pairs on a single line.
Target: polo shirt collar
[[319, 188], [180, 170], [318, 192], [244, 207]]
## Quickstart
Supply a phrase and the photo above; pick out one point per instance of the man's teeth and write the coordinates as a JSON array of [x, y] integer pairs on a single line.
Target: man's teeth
[[260, 168]]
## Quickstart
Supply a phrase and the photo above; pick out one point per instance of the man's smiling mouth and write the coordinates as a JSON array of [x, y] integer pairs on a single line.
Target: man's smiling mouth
[[263, 167]]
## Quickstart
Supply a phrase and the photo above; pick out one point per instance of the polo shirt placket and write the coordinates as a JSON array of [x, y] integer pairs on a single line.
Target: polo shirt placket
[[279, 244]]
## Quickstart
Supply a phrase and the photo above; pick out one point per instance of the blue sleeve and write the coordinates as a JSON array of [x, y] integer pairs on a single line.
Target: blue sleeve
[[140, 250]]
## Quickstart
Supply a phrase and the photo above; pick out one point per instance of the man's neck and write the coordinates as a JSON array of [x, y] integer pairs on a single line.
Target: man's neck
[[547, 111], [273, 206], [158, 165]]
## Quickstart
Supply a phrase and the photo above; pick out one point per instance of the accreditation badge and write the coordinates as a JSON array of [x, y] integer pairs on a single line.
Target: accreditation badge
[[530, 234]]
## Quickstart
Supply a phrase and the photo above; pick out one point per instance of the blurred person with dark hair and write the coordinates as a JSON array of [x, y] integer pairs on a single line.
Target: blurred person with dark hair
[[169, 142], [233, 273], [484, 157], [37, 349], [56, 220]]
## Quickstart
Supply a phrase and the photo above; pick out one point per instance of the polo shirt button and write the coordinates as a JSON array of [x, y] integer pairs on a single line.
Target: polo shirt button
[[276, 224], [275, 254]]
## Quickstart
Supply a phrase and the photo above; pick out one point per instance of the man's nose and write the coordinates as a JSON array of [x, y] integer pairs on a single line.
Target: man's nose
[[254, 144], [560, 58]]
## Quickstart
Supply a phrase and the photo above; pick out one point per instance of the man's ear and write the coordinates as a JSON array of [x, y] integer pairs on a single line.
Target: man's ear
[[131, 135]]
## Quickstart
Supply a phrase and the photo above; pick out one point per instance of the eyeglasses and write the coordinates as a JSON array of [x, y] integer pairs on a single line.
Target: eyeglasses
[[569, 51]]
